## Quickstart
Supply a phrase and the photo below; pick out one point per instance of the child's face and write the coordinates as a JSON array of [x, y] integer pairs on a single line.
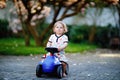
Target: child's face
[[59, 29]]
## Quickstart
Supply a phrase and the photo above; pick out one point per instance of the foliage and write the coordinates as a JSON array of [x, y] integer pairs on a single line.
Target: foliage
[[104, 35], [79, 33], [15, 46], [4, 31], [2, 4]]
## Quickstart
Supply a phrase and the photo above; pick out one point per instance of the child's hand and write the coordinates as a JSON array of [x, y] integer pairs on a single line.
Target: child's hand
[[59, 49], [57, 55]]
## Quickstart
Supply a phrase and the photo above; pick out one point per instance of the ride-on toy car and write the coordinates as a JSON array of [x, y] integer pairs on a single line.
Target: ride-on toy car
[[51, 64]]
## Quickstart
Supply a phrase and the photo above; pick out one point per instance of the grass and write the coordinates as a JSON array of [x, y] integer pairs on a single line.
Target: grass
[[13, 46], [76, 48], [16, 46]]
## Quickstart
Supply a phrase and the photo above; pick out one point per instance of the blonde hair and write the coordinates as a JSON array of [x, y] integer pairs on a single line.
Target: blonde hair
[[63, 24]]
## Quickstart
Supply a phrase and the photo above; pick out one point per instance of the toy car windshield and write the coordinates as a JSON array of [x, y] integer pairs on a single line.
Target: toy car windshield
[[52, 49]]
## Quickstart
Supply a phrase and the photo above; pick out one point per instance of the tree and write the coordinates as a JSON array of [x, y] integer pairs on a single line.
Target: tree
[[31, 13], [118, 8], [99, 7], [30, 10], [94, 15], [2, 4]]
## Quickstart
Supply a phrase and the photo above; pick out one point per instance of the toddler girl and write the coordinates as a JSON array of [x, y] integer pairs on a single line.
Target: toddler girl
[[60, 41]]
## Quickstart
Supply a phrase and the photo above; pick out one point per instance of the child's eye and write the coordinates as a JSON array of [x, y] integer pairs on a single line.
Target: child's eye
[[57, 27], [61, 27]]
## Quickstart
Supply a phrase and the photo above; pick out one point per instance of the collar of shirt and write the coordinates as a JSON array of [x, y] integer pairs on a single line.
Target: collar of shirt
[[58, 37]]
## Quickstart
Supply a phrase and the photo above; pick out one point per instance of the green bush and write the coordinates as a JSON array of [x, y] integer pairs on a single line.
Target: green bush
[[79, 33], [102, 36], [4, 32]]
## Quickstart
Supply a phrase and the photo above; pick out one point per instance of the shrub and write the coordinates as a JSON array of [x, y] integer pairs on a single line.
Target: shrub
[[79, 33], [4, 32], [102, 37]]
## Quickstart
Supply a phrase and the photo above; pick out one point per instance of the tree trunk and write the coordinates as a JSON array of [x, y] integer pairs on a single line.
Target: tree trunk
[[118, 8], [26, 34], [92, 34], [41, 38], [27, 40], [34, 33]]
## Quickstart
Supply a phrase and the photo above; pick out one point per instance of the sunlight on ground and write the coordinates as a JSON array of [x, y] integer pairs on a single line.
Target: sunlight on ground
[[110, 55]]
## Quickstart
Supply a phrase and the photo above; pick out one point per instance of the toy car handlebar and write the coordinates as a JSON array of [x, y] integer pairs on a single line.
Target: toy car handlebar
[[52, 49]]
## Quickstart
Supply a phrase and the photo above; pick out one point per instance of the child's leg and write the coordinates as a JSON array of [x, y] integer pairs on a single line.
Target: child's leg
[[63, 61], [64, 68]]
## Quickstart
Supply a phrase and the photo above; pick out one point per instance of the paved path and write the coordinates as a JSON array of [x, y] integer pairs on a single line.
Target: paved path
[[95, 65]]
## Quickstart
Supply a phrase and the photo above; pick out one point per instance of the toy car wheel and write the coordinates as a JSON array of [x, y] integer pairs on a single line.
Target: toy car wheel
[[59, 71], [39, 70], [67, 69]]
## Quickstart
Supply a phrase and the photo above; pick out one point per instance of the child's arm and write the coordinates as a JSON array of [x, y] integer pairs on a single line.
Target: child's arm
[[48, 44], [63, 47]]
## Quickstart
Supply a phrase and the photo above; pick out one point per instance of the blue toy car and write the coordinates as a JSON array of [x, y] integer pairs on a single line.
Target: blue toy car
[[51, 65]]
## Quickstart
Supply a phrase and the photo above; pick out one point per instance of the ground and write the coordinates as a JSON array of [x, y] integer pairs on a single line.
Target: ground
[[101, 64]]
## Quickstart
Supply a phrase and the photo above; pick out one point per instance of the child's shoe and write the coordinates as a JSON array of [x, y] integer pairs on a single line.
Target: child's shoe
[[64, 75]]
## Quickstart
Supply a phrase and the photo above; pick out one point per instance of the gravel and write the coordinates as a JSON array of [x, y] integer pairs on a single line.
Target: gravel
[[101, 64]]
